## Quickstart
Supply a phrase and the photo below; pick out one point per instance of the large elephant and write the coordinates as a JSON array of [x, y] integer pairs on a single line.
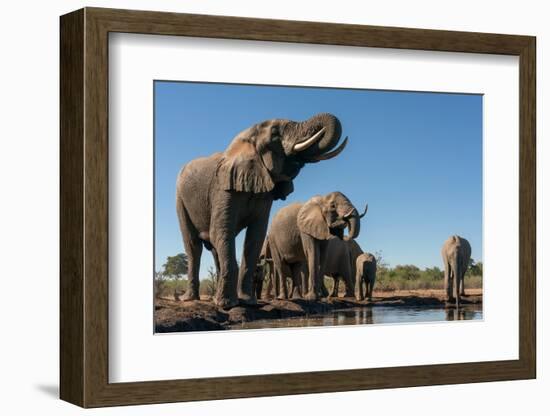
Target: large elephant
[[365, 276], [341, 257], [456, 252], [300, 233], [220, 195]]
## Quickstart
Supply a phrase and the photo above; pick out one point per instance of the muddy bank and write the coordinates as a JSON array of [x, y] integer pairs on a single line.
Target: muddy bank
[[174, 316]]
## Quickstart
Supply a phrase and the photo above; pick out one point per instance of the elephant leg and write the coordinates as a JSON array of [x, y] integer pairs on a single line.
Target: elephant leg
[[254, 238], [283, 284], [226, 292], [447, 281], [312, 251], [456, 284], [359, 284], [335, 284], [348, 283], [193, 249], [372, 280], [369, 288], [216, 261], [280, 271], [259, 284], [269, 288], [304, 277], [462, 290], [323, 291], [296, 269]]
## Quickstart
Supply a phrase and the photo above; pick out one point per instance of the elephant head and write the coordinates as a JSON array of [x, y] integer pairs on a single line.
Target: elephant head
[[325, 216], [268, 156]]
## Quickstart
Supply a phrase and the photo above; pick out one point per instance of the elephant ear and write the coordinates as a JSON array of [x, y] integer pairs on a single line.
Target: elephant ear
[[241, 169], [312, 222]]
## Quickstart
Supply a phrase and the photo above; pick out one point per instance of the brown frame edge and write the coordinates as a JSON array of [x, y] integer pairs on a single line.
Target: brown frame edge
[[84, 207]]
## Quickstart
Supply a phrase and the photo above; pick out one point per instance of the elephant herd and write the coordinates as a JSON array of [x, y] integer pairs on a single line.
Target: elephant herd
[[225, 193], [306, 242]]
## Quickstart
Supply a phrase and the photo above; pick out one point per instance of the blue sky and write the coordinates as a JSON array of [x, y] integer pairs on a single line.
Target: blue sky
[[415, 157]]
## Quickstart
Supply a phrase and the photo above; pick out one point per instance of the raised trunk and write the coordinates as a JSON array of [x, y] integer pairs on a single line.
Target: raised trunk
[[326, 130], [354, 226]]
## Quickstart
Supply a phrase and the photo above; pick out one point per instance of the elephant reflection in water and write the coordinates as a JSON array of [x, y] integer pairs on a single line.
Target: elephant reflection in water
[[460, 314], [454, 314], [364, 316]]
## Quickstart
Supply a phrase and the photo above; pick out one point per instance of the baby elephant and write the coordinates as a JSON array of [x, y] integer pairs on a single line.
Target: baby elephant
[[365, 274]]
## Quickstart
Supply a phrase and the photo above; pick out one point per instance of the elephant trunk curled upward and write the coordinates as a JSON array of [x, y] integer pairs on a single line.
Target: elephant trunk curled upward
[[456, 252], [220, 195], [300, 233]]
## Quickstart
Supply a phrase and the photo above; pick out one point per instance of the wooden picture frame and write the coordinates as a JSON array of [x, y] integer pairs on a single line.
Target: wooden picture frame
[[84, 207]]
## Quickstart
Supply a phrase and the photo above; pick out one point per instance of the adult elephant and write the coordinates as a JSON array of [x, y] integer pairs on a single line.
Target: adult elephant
[[220, 195], [300, 233], [456, 252], [341, 258], [365, 276]]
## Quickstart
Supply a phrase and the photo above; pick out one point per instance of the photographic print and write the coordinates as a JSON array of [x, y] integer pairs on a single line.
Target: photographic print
[[291, 206]]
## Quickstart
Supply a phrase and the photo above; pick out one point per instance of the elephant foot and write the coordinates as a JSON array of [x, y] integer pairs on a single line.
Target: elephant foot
[[296, 294], [226, 303], [311, 296], [190, 295], [247, 300]]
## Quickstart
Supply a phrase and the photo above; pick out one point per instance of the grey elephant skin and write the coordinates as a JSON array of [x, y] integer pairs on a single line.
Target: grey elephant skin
[[300, 233], [456, 252], [340, 261], [365, 277], [220, 195]]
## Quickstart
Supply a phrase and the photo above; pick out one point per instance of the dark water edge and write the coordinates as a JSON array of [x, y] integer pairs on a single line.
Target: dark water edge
[[203, 315], [370, 315]]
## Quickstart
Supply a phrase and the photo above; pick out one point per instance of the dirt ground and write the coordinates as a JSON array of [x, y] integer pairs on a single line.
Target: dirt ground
[[203, 315]]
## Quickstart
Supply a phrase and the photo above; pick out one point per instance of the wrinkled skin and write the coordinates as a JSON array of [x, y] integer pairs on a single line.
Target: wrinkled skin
[[335, 265], [264, 271], [300, 234], [220, 195], [456, 253], [365, 276]]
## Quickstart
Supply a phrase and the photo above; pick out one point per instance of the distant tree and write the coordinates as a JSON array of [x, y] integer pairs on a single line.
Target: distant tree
[[159, 284], [175, 266], [407, 272], [433, 273], [380, 261], [475, 268]]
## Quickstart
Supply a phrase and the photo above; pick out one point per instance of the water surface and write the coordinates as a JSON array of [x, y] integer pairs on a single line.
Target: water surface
[[370, 315]]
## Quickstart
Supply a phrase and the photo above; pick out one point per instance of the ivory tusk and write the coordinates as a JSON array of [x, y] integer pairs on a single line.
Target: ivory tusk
[[303, 145], [364, 212], [332, 154]]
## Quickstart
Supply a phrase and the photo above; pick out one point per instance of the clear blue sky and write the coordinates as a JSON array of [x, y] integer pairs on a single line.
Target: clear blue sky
[[416, 158]]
